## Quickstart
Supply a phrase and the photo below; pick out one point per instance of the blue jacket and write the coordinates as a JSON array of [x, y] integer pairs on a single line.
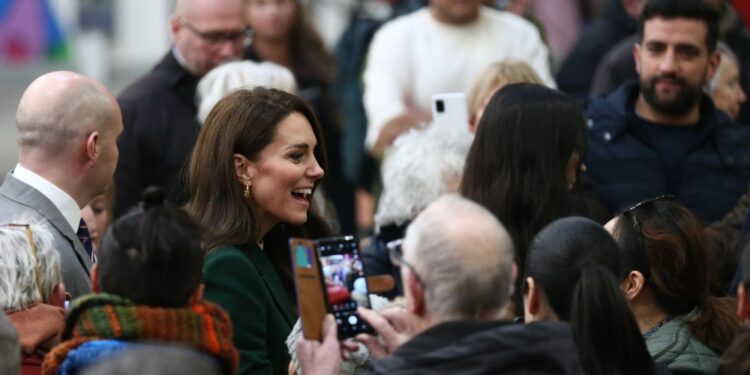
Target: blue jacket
[[626, 169]]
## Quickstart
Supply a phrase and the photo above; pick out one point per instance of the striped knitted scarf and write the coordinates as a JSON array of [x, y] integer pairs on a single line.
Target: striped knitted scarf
[[203, 326]]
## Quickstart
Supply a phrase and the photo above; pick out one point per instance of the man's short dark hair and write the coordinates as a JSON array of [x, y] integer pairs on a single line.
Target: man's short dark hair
[[152, 255], [693, 9]]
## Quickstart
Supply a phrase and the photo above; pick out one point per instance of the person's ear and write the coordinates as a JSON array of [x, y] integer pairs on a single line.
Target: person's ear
[[57, 298], [416, 292], [197, 295], [531, 302], [743, 305], [714, 60], [95, 285], [632, 285], [174, 26], [92, 147], [245, 169]]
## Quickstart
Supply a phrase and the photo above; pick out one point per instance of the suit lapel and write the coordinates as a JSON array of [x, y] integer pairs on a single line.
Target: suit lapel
[[272, 282], [26, 195]]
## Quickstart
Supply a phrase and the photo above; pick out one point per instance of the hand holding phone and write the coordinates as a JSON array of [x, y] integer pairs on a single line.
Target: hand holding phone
[[329, 277]]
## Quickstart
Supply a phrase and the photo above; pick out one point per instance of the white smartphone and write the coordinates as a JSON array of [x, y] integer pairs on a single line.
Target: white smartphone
[[449, 109]]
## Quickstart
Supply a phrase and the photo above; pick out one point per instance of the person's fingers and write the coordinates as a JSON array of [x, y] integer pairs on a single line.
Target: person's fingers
[[397, 317], [377, 322], [382, 326], [350, 345], [329, 328], [376, 349], [305, 349]]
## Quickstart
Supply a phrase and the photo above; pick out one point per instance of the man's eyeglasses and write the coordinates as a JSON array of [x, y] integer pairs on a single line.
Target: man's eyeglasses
[[396, 254], [217, 37], [32, 245]]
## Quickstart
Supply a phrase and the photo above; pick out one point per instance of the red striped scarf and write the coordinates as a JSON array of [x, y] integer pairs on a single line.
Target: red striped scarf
[[203, 326]]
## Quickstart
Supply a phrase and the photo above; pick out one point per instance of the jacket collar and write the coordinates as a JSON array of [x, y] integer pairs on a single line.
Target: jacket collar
[[182, 82], [488, 347], [271, 280], [420, 348], [26, 195], [622, 102]]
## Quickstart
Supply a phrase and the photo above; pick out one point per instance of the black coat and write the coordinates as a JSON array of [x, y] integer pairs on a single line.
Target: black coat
[[472, 347], [577, 71], [160, 130]]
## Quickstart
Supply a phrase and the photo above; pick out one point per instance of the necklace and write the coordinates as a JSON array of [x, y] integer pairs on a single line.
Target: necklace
[[656, 327]]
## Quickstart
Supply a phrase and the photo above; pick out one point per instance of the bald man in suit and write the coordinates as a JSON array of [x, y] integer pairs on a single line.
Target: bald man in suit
[[68, 127]]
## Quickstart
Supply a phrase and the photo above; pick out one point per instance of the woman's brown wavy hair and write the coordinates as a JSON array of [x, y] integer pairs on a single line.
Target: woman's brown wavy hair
[[672, 254], [244, 122]]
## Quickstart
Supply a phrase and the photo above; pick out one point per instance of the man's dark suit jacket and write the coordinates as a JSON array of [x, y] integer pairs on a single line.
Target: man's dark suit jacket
[[160, 130], [19, 200]]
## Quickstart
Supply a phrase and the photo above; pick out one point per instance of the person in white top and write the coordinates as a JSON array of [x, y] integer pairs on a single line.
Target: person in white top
[[439, 49], [68, 127]]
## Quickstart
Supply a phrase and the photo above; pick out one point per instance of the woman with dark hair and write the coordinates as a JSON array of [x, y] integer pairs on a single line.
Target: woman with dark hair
[[665, 274], [570, 276], [258, 161], [284, 34], [147, 292], [525, 158]]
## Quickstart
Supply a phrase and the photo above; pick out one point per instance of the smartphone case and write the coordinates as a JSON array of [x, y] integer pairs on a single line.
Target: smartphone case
[[450, 110], [311, 299]]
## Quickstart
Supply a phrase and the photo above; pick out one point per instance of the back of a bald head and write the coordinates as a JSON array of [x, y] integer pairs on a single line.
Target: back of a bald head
[[58, 108], [466, 256]]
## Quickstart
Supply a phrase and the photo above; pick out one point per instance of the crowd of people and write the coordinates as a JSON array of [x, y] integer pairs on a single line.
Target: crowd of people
[[551, 232]]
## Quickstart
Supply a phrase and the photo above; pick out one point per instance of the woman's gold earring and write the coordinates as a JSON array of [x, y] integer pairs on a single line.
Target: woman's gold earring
[[246, 193]]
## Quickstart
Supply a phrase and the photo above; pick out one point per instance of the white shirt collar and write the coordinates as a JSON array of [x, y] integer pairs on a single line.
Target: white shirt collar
[[62, 200], [180, 59]]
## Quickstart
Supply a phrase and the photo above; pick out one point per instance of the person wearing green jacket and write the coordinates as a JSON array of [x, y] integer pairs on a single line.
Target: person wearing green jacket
[[254, 169], [665, 275]]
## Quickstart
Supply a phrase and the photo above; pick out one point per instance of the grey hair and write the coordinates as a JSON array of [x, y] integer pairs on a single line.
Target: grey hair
[[464, 257], [422, 165], [149, 359], [57, 125], [18, 265], [727, 56], [227, 78]]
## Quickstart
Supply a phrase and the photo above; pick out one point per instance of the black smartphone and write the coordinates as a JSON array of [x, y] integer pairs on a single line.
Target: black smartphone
[[345, 283]]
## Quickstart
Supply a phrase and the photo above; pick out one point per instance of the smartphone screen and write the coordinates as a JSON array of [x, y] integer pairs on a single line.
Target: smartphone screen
[[345, 283]]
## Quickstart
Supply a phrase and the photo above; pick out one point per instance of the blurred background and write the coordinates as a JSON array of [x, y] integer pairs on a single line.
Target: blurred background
[[113, 41]]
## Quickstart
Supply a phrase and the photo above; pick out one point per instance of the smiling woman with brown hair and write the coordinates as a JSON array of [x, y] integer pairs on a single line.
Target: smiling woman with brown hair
[[257, 163]]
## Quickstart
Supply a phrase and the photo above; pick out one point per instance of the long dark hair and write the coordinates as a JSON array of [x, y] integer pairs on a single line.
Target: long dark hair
[[517, 165], [665, 242], [152, 255], [311, 61], [574, 262]]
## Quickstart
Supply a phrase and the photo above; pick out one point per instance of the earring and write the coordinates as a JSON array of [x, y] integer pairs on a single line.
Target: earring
[[246, 193]]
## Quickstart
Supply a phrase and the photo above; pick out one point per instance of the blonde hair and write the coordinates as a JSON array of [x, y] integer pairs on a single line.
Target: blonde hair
[[498, 74]]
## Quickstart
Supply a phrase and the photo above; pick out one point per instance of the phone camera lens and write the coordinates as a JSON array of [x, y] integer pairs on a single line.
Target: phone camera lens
[[440, 106]]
